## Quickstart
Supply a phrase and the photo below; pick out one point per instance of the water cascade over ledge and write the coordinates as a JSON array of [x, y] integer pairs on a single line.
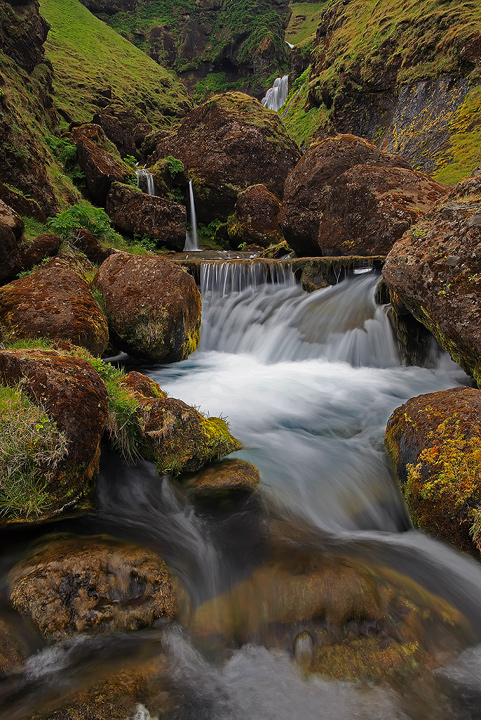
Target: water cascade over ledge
[[276, 96], [191, 242], [145, 181]]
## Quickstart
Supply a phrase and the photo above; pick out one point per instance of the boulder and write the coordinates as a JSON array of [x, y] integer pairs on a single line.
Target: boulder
[[43, 246], [227, 144], [434, 271], [91, 584], [256, 218], [21, 204], [177, 437], [135, 212], [124, 126], [12, 651], [10, 219], [85, 242], [153, 307], [72, 394], [226, 479], [434, 442], [307, 188], [10, 261], [100, 168], [23, 33], [55, 303]]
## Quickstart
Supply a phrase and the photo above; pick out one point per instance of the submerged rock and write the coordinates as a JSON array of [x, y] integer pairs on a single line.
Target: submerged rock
[[83, 584], [177, 437], [55, 303], [224, 480], [434, 442], [153, 307], [227, 144], [435, 272], [256, 218]]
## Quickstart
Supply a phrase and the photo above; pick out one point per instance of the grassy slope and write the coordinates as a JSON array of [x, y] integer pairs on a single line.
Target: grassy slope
[[87, 55], [303, 22]]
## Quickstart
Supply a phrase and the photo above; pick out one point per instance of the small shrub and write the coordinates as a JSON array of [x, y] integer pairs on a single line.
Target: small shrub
[[174, 166], [68, 223], [62, 149]]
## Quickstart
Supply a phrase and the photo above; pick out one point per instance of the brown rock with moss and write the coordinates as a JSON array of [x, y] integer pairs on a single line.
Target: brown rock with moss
[[11, 230], [153, 306], [83, 584], [124, 126], [256, 218], [41, 247], [54, 303], [12, 651], [226, 479], [227, 144], [73, 395], [176, 436], [308, 187], [434, 442], [435, 272], [134, 212], [100, 167], [85, 242]]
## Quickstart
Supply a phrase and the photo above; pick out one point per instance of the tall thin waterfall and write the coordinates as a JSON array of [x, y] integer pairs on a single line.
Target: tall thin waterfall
[[145, 179], [276, 96], [191, 242]]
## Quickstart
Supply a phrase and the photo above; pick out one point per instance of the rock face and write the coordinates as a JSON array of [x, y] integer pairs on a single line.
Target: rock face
[[53, 303], [124, 126], [256, 218], [434, 442], [24, 32], [346, 197], [153, 307], [77, 584], [11, 229], [100, 168], [12, 654], [227, 144], [176, 436], [73, 395], [435, 271], [133, 211]]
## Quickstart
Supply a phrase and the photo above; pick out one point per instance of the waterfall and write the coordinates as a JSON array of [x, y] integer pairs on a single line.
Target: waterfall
[[276, 96], [191, 243], [145, 179]]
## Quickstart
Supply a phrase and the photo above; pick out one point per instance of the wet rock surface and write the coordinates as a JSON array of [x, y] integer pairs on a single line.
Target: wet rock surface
[[229, 478], [256, 218]]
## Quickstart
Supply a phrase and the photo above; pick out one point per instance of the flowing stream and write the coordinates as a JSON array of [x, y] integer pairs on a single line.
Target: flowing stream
[[307, 383]]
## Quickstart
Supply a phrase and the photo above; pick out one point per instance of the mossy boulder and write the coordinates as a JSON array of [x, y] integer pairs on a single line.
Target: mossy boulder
[[96, 584], [55, 303], [434, 270], [153, 307], [123, 125], [100, 167], [43, 246], [170, 178], [134, 212], [72, 394], [227, 144], [339, 617], [256, 218], [434, 442], [85, 242], [225, 480], [176, 436], [13, 653]]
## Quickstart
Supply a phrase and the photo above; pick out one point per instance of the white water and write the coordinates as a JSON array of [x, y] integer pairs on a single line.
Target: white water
[[276, 96], [145, 181], [191, 242]]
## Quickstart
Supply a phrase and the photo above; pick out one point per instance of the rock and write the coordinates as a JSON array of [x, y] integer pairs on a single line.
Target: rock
[[434, 442], [435, 272], [133, 211], [23, 33], [73, 395], [21, 204], [55, 303], [100, 168], [256, 218], [153, 307], [124, 126], [85, 242], [10, 261], [170, 179], [10, 219], [12, 651], [43, 246], [83, 584], [308, 186], [176, 436], [226, 479], [227, 144], [364, 622]]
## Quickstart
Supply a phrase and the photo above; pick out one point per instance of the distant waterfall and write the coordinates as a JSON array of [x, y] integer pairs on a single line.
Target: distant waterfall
[[191, 237], [276, 96], [145, 181]]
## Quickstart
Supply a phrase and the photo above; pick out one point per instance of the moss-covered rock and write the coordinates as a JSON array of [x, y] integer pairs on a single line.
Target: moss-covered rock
[[229, 479], [434, 442], [435, 271], [43, 246], [153, 306], [91, 584], [177, 437], [256, 218], [55, 303]]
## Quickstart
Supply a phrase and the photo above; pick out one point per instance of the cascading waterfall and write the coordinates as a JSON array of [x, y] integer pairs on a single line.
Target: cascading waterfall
[[145, 181], [276, 96], [191, 242]]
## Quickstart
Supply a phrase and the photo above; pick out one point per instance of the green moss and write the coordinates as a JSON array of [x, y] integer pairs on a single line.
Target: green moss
[[303, 21], [302, 120], [464, 151]]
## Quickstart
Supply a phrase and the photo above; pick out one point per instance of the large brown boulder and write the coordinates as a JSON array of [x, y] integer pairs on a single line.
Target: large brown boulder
[[100, 168], [134, 212], [256, 218], [55, 303], [11, 229], [227, 144], [41, 247], [22, 204], [308, 186], [73, 395], [434, 442], [232, 478], [176, 436], [153, 307], [124, 126], [434, 271], [80, 584]]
